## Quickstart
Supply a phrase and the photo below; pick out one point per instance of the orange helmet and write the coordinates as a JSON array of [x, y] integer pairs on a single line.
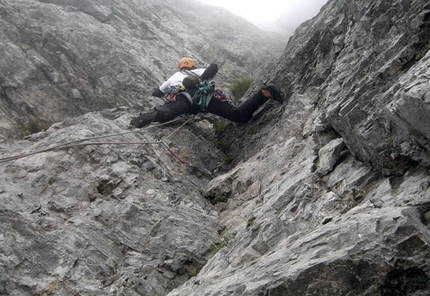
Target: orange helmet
[[186, 63]]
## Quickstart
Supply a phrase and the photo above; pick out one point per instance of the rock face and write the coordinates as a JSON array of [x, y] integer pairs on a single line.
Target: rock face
[[365, 67], [63, 58], [97, 219], [328, 195], [331, 196]]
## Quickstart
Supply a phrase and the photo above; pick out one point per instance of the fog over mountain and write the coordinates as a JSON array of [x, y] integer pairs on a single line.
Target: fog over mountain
[[297, 13], [273, 15]]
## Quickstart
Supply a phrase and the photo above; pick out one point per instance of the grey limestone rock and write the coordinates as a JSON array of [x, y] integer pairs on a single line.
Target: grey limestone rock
[[328, 195]]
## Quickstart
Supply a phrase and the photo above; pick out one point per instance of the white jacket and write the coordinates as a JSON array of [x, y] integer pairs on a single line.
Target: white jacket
[[176, 79]]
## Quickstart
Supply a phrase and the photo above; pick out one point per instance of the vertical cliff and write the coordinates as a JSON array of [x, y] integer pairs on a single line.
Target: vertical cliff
[[331, 196], [328, 195]]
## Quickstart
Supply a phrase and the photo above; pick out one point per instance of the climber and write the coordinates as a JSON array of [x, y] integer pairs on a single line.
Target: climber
[[201, 96], [186, 67]]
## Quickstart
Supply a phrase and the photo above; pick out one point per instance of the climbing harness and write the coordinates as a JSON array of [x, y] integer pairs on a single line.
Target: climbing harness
[[203, 96], [170, 96]]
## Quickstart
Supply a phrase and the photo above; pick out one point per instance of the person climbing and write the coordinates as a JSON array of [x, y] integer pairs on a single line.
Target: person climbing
[[186, 67], [201, 96]]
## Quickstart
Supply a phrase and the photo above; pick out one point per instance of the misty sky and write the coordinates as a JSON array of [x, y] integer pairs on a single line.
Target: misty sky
[[265, 13]]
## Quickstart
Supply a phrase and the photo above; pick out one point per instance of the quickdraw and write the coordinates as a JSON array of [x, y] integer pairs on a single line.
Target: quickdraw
[[192, 168], [173, 91]]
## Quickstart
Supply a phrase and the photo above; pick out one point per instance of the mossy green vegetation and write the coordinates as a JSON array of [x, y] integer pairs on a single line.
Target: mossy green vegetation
[[222, 197], [33, 126], [240, 86]]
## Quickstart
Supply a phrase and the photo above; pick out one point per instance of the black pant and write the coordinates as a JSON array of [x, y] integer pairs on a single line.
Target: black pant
[[225, 109]]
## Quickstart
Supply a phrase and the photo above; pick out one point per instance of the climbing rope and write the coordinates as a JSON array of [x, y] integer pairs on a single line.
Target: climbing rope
[[77, 143], [81, 142], [192, 168]]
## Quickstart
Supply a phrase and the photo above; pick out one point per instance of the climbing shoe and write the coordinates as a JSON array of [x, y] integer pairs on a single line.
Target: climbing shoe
[[144, 119], [277, 95]]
